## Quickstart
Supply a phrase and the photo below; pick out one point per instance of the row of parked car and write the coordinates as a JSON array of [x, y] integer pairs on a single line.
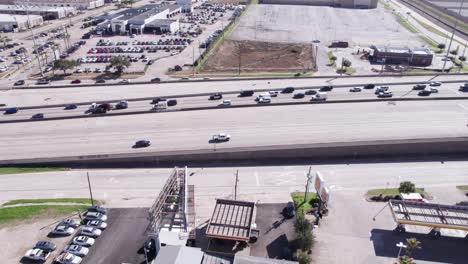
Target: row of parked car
[[92, 226]]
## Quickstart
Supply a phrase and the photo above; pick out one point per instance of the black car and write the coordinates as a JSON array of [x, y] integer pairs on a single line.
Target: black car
[[100, 81], [45, 245], [20, 82], [156, 80], [246, 93], [419, 86], [424, 93], [369, 86], [100, 209], [216, 96], [171, 102], [38, 116], [299, 96], [288, 90], [157, 100], [311, 92], [71, 107], [326, 88], [142, 144]]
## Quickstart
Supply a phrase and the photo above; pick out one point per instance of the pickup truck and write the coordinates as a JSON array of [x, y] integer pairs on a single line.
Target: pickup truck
[[221, 137], [37, 254]]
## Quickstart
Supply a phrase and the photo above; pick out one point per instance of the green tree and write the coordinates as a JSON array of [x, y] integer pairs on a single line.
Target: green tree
[[407, 187], [125, 3], [406, 260], [119, 64], [411, 245], [65, 65], [345, 63], [304, 236], [303, 257], [4, 40]]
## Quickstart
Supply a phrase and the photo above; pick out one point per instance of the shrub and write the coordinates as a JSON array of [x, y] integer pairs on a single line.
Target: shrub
[[407, 187], [303, 257]]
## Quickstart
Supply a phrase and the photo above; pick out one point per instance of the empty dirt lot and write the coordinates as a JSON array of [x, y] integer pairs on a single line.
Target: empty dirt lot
[[299, 24], [251, 56]]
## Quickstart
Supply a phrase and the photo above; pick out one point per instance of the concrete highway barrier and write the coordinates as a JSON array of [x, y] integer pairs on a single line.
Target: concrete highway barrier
[[322, 152]]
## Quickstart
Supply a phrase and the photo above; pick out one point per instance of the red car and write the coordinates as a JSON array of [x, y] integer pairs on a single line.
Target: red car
[[76, 81]]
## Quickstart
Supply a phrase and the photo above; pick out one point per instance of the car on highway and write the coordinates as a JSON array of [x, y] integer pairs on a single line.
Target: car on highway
[[319, 97], [63, 230], [97, 208], [90, 231], [77, 250], [464, 87], [45, 245], [139, 144], [424, 92], [221, 137], [100, 81], [76, 81], [288, 90], [246, 93], [154, 80], [11, 110], [369, 86], [19, 82], [171, 102], [273, 93], [381, 89], [70, 222], [124, 81], [419, 86], [71, 107], [68, 258], [106, 106], [311, 92], [264, 100], [121, 105], [385, 94], [157, 100], [434, 90], [435, 84], [37, 254], [96, 215], [326, 88], [225, 103], [83, 241], [355, 89], [298, 95], [215, 96], [97, 224], [42, 81], [37, 116]]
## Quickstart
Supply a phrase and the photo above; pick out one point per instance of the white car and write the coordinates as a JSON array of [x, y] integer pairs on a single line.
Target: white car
[[80, 251], [264, 100], [3, 69], [273, 93], [83, 241], [95, 216], [124, 81], [355, 89], [97, 223], [70, 222], [221, 137], [63, 230], [37, 254], [68, 258], [90, 231], [225, 103]]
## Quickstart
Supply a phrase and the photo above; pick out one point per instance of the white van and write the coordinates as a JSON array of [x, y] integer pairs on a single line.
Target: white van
[[320, 96]]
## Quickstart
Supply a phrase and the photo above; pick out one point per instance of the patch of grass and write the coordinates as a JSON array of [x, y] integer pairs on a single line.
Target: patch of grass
[[429, 41], [12, 170], [301, 206], [51, 200], [27, 212], [406, 24], [462, 187], [330, 56], [430, 28], [389, 191]]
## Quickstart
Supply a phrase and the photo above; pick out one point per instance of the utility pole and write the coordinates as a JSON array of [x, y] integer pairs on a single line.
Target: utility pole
[[34, 40], [453, 34], [90, 190], [235, 186], [239, 59], [193, 61], [309, 176]]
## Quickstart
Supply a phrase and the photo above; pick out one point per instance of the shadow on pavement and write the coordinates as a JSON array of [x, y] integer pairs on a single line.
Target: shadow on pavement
[[443, 249]]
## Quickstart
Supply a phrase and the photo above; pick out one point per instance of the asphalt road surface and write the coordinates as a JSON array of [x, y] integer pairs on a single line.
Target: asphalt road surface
[[248, 127]]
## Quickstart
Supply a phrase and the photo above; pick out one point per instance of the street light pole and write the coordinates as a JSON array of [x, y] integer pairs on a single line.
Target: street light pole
[[453, 34], [400, 245]]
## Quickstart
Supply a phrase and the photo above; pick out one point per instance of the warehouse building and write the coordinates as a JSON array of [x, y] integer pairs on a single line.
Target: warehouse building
[[366, 4], [421, 57], [47, 12], [78, 4], [186, 5], [14, 23]]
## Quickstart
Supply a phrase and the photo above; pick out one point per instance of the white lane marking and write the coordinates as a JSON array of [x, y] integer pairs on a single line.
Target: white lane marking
[[256, 179], [463, 106]]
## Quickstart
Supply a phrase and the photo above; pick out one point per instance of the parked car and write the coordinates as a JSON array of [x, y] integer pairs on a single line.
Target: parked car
[[419, 86], [246, 93], [68, 258], [37, 254], [95, 216], [171, 102], [19, 82], [77, 250], [77, 81], [216, 96], [38, 116], [45, 245], [71, 107], [83, 241], [97, 224], [141, 144], [289, 211], [70, 222], [298, 95], [221, 137], [355, 89], [311, 92], [63, 230], [288, 90], [326, 88], [98, 209], [90, 231], [225, 103], [11, 110]]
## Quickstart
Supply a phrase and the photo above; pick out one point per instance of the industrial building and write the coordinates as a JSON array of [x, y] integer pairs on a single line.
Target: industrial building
[[78, 4], [148, 18], [421, 57], [186, 5], [47, 12], [365, 4], [14, 23]]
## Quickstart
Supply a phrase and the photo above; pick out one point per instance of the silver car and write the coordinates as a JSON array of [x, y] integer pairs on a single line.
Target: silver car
[[95, 216], [63, 230], [70, 222], [97, 223], [76, 250], [83, 241], [90, 231]]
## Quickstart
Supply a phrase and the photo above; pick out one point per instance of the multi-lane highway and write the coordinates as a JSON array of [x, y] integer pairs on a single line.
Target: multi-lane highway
[[249, 127]]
